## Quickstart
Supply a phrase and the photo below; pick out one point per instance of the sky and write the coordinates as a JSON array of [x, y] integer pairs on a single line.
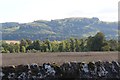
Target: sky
[[30, 10]]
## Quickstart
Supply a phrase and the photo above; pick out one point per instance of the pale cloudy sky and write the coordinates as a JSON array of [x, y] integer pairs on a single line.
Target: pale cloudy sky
[[30, 10]]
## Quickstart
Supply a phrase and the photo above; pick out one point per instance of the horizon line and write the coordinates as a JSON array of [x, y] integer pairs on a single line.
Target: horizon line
[[56, 19]]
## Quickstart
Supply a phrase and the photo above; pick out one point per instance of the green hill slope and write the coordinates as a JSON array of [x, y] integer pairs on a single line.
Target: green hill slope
[[58, 29]]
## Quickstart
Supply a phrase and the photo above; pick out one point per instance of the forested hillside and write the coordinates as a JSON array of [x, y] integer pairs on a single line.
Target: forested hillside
[[58, 29]]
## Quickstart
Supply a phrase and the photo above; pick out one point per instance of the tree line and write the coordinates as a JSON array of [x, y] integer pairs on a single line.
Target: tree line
[[91, 43]]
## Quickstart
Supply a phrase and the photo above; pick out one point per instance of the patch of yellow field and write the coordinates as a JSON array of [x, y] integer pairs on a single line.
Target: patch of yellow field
[[11, 41]]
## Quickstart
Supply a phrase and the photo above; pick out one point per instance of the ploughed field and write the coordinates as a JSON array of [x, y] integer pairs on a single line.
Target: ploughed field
[[58, 57]]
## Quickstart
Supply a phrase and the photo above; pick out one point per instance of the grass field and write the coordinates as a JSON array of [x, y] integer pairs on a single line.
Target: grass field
[[59, 58]]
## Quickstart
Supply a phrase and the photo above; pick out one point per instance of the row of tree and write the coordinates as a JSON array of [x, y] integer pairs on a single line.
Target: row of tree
[[92, 43]]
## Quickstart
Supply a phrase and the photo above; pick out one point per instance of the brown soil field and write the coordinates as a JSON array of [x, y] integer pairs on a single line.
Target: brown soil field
[[58, 57]]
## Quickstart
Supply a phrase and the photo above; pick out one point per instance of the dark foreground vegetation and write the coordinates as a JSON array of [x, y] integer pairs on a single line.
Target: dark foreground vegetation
[[67, 71], [92, 43]]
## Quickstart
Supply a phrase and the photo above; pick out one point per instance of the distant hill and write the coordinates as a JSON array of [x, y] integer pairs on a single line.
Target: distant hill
[[58, 29]]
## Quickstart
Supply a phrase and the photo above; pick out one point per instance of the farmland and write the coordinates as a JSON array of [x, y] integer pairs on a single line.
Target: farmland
[[11, 41], [58, 57]]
